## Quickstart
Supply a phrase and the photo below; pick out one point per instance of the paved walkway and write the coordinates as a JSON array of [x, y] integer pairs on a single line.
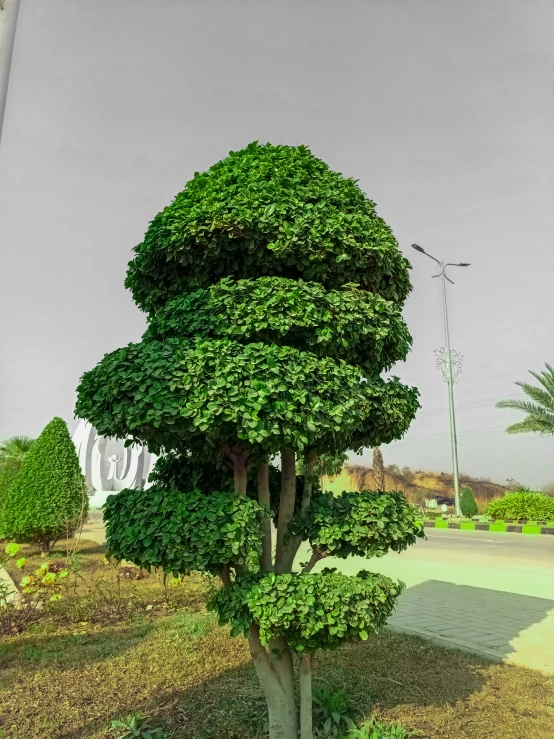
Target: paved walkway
[[487, 593]]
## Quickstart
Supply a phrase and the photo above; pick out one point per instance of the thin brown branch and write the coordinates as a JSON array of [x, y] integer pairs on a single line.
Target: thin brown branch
[[266, 562], [286, 511], [317, 555], [225, 575]]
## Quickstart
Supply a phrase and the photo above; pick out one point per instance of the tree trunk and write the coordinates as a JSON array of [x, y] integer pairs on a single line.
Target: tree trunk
[[277, 680], [378, 469], [286, 511], [266, 562], [239, 459], [305, 674]]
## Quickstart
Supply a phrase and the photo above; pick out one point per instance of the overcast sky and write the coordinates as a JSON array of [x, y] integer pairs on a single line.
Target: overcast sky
[[442, 109]]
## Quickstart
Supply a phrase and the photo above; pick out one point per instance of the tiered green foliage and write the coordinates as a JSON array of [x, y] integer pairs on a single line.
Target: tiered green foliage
[[523, 506], [467, 503], [361, 524], [180, 533], [48, 498], [274, 296]]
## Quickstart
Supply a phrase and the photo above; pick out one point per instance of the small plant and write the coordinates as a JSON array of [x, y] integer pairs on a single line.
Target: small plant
[[12, 549], [333, 710], [467, 503], [14, 616], [378, 730], [136, 727]]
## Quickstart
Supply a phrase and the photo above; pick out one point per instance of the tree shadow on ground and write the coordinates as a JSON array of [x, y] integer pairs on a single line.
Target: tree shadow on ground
[[206, 688], [488, 620], [388, 670]]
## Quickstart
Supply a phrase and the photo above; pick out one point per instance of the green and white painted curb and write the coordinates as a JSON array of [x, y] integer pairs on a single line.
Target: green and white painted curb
[[501, 527]]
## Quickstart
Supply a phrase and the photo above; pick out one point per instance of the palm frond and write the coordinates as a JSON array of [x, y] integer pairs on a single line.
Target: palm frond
[[524, 405], [532, 425], [546, 379], [538, 394], [540, 413]]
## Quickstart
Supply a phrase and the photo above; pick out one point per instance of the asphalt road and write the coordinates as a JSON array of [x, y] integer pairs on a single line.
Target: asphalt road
[[523, 547]]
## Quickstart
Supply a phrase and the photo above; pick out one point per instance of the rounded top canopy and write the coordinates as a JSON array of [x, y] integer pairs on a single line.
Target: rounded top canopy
[[267, 210]]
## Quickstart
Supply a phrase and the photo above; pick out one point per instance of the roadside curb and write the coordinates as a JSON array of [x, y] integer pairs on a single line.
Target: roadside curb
[[500, 527]]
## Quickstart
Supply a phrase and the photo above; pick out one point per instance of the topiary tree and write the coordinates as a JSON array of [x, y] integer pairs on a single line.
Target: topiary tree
[[47, 500], [467, 503], [274, 296]]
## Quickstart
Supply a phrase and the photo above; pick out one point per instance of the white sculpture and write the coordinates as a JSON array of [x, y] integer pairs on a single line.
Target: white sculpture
[[104, 473]]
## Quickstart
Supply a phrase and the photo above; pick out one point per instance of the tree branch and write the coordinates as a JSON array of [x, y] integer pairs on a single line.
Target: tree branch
[[314, 559], [225, 575], [266, 562], [309, 464], [286, 511]]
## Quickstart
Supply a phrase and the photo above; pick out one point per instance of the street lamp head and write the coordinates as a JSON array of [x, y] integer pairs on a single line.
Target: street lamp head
[[464, 264], [418, 248]]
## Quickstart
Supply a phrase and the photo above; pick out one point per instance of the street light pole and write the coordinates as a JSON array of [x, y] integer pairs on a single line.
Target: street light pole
[[449, 374], [9, 10]]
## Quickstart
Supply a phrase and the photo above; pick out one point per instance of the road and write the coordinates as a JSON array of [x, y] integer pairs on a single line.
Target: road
[[512, 563]]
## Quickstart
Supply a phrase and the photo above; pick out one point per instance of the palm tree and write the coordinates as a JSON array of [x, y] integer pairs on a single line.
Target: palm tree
[[540, 407], [15, 449], [378, 469]]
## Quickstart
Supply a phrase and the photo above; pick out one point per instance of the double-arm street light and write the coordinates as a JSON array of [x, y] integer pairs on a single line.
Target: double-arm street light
[[451, 366]]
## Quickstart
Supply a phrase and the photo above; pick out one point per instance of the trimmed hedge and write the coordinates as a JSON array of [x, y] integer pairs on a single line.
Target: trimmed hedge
[[522, 506]]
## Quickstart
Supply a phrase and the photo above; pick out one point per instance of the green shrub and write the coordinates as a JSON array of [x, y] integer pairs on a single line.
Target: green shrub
[[523, 506], [48, 499], [8, 473], [467, 503]]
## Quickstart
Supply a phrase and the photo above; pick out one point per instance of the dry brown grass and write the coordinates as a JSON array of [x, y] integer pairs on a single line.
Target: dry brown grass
[[68, 680], [188, 676]]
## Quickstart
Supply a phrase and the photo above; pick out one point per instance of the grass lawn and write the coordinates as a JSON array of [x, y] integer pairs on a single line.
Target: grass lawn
[[63, 679]]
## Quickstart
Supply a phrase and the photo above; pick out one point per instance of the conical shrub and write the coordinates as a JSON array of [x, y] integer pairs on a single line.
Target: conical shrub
[[8, 473], [48, 499], [467, 503]]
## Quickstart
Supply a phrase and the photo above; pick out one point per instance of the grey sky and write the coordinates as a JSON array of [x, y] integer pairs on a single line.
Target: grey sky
[[442, 109]]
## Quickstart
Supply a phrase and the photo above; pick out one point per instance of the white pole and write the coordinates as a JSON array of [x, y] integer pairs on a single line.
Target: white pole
[[450, 383], [9, 10], [449, 373]]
